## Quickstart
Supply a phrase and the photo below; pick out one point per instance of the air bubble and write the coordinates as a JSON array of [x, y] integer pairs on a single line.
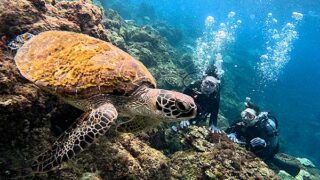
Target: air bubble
[[210, 47], [279, 43]]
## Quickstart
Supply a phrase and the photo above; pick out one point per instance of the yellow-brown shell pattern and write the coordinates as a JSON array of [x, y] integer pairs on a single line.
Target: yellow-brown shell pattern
[[68, 64]]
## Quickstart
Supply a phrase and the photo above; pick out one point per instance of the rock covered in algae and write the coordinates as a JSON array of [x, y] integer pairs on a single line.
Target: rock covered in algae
[[214, 156], [125, 156], [25, 116], [19, 100], [34, 16]]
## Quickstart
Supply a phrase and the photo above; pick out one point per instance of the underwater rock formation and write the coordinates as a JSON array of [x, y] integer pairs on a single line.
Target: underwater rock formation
[[298, 168], [35, 16], [212, 156], [125, 156], [173, 35], [25, 116], [22, 105], [146, 44], [136, 40]]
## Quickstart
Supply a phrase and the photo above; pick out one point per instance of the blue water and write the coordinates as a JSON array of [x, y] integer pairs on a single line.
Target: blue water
[[294, 97]]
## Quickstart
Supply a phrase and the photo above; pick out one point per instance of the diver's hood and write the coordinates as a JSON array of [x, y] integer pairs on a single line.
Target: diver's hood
[[248, 111]]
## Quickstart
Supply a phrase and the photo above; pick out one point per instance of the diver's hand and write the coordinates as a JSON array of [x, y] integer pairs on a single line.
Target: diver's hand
[[233, 137], [256, 142], [184, 124], [246, 103], [214, 129]]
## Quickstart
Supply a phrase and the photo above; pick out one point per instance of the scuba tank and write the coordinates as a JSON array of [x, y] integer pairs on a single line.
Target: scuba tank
[[269, 124]]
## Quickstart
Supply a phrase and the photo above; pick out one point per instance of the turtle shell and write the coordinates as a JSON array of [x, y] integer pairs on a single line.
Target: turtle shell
[[74, 64]]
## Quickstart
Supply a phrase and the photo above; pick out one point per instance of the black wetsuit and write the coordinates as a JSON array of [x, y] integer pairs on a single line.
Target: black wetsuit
[[262, 129], [205, 104]]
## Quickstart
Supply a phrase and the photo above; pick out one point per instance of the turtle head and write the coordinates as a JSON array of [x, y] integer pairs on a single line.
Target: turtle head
[[169, 105], [175, 105]]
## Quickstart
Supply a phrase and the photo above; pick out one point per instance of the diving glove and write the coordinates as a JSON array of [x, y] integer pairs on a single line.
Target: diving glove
[[258, 142], [214, 129], [233, 137], [184, 124]]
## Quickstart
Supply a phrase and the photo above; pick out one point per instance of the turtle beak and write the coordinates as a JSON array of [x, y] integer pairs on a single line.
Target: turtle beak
[[187, 108]]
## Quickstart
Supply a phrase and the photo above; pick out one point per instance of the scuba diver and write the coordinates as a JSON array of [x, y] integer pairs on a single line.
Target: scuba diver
[[257, 131], [206, 94]]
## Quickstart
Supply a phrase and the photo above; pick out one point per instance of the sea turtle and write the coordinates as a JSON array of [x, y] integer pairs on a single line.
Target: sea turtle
[[103, 81]]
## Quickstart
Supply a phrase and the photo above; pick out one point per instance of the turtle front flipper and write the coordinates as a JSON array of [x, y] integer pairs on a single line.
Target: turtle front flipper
[[136, 124], [78, 137]]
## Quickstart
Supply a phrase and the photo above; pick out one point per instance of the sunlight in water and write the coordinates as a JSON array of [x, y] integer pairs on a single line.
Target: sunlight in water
[[215, 39], [279, 43]]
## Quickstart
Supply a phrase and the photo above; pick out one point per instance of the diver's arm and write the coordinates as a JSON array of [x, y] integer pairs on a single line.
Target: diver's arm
[[213, 119], [212, 71], [213, 124], [214, 115], [214, 110]]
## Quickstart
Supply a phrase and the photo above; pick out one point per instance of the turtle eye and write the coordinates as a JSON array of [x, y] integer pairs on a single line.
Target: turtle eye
[[182, 106]]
